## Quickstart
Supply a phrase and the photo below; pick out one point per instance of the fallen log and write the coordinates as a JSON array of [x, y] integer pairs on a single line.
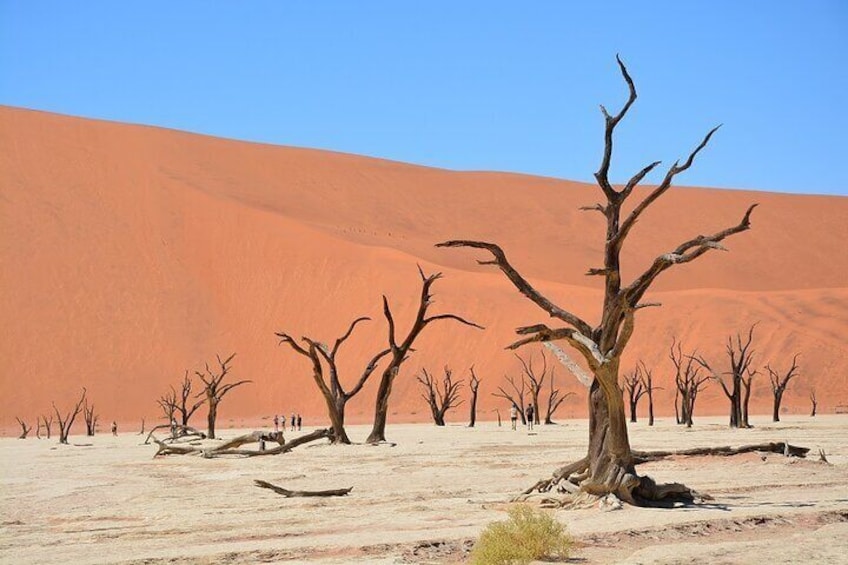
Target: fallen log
[[178, 432], [299, 493], [783, 448], [227, 449]]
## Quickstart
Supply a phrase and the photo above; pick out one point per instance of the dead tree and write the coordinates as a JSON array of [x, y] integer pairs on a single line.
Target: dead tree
[[400, 350], [440, 398], [168, 403], [778, 385], [473, 386], [688, 382], [741, 358], [66, 422], [648, 385], [635, 390], [214, 390], [747, 380], [516, 397], [328, 380], [609, 467], [25, 429], [48, 425], [535, 381], [233, 448], [90, 418], [183, 404], [813, 403], [555, 398], [141, 433]]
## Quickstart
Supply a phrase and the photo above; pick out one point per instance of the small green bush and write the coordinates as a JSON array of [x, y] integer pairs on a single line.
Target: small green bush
[[527, 534]]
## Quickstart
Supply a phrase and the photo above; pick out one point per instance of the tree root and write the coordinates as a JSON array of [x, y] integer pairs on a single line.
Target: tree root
[[571, 487], [300, 493]]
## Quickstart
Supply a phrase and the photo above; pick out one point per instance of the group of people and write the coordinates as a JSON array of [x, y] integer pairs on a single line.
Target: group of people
[[529, 416], [280, 422]]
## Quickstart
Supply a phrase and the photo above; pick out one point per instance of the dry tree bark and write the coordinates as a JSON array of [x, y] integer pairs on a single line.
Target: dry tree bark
[[329, 381], [778, 384], [610, 463]]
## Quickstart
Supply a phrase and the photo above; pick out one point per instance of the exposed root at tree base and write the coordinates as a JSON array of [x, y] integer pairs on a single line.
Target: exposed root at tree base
[[570, 486]]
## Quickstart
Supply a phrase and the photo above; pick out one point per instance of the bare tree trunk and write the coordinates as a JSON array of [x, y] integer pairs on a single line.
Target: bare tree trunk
[[746, 397], [24, 428], [473, 384], [779, 383], [211, 418], [813, 404], [67, 422]]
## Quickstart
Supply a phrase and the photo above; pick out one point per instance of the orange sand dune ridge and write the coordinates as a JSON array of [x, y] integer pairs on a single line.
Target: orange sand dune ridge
[[130, 254]]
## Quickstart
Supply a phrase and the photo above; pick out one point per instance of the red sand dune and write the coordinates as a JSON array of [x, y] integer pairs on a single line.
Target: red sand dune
[[131, 253]]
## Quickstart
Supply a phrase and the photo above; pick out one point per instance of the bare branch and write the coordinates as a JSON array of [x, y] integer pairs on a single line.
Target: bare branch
[[521, 283], [602, 176]]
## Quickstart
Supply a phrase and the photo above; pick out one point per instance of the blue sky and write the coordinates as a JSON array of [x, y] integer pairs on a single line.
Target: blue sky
[[511, 86]]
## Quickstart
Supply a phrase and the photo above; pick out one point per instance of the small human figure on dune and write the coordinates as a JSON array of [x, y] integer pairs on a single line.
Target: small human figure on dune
[[114, 428], [299, 422], [293, 422], [513, 415], [276, 423], [283, 421], [530, 415]]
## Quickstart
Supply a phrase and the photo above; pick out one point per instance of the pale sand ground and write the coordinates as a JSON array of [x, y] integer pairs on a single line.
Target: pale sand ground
[[111, 502]]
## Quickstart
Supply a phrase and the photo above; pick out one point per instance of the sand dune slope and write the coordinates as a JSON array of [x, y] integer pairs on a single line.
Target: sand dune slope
[[130, 254]]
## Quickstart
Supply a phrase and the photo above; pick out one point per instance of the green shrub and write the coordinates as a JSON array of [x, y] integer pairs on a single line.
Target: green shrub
[[527, 534]]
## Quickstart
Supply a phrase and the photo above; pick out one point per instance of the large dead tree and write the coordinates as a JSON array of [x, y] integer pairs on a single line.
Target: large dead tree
[[688, 381], [440, 397], [635, 390], [401, 348], [515, 396], [25, 429], [741, 358], [473, 386], [90, 417], [778, 385], [67, 421], [535, 381], [609, 466], [328, 380], [214, 390]]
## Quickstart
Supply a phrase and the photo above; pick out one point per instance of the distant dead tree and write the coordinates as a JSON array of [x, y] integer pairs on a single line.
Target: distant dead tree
[[168, 403], [535, 379], [635, 390], [778, 385], [47, 422], [609, 465], [813, 403], [441, 397], [214, 390], [516, 396], [183, 404], [25, 429], [90, 418], [473, 386], [688, 381], [555, 398], [141, 433], [741, 358], [400, 350], [66, 422], [328, 380], [647, 378]]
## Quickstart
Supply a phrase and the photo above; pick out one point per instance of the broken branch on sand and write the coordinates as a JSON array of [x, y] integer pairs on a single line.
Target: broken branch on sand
[[302, 493], [229, 448]]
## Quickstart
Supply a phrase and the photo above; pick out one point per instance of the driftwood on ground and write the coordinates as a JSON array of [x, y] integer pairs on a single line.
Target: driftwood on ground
[[230, 448], [178, 432], [298, 493]]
